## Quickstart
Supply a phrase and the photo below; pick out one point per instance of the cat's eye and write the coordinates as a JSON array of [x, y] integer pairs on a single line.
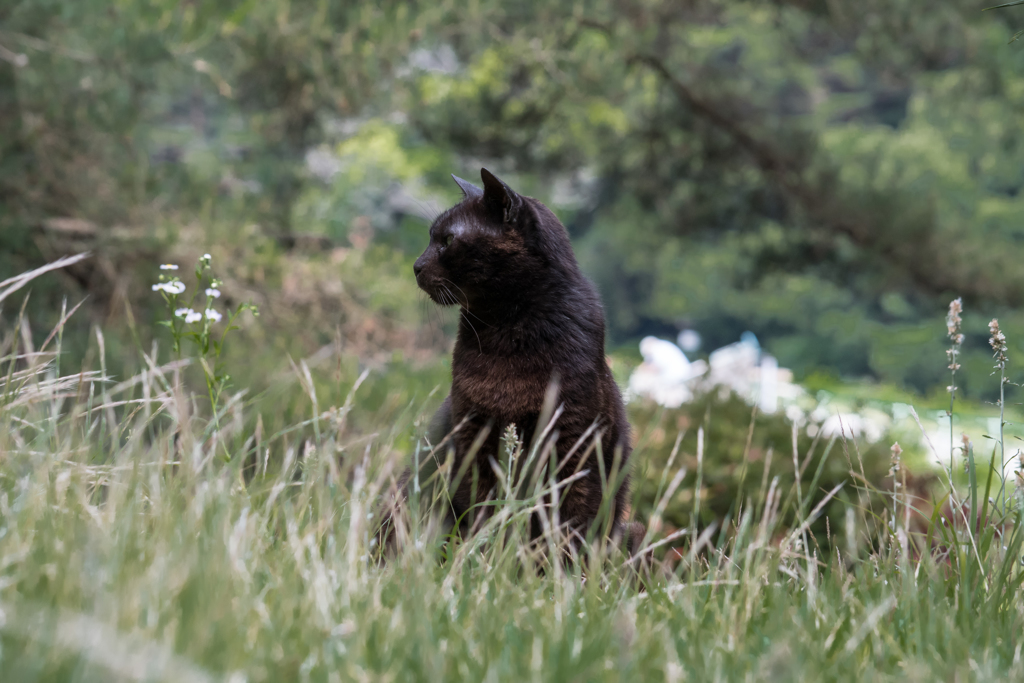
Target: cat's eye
[[447, 240]]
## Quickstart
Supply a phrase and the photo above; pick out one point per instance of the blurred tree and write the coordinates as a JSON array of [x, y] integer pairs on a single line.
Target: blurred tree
[[825, 178], [118, 121]]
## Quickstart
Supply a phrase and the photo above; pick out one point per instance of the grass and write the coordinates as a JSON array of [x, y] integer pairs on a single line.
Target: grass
[[132, 548]]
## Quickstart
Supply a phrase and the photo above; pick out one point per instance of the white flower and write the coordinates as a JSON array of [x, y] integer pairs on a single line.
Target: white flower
[[168, 266], [206, 257], [189, 315], [173, 287], [213, 315], [210, 291]]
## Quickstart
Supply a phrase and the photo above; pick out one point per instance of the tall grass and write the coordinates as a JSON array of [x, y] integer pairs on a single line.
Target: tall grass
[[132, 549]]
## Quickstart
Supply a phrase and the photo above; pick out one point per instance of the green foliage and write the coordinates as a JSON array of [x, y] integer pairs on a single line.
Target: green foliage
[[826, 179], [141, 118]]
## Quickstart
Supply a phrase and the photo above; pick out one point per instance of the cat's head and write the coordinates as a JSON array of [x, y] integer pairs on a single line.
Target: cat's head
[[489, 246]]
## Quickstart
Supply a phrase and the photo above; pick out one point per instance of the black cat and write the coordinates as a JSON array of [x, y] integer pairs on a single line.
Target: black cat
[[529, 318]]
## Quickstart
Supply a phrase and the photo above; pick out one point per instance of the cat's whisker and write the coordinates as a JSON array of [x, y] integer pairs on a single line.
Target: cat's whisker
[[479, 343], [434, 313], [447, 294], [478, 318], [465, 304]]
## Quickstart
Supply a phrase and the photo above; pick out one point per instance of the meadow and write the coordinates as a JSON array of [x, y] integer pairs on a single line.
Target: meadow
[[215, 360], [153, 531]]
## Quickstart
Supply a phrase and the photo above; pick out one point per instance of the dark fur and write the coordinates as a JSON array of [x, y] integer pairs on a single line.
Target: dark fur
[[528, 316]]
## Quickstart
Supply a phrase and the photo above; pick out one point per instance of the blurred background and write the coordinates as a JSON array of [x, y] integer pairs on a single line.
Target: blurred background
[[825, 176]]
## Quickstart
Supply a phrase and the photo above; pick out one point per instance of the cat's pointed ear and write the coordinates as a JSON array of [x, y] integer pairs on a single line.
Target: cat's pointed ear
[[469, 190], [501, 199]]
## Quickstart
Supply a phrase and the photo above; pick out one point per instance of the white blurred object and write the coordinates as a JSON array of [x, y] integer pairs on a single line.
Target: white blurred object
[[869, 424], [820, 414], [442, 60], [736, 366], [795, 414], [646, 382], [768, 399], [755, 376], [840, 425], [669, 378], [689, 340], [664, 374], [323, 163], [665, 357]]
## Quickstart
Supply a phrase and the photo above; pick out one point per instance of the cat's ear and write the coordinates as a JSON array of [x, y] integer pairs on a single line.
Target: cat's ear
[[469, 190], [500, 199]]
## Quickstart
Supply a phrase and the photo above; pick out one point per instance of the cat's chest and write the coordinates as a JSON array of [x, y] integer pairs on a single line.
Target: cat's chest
[[499, 385]]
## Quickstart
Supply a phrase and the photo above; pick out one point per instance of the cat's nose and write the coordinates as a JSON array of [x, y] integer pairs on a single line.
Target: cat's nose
[[417, 267]]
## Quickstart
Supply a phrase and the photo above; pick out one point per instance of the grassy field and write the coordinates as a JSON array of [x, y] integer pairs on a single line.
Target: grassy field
[[145, 537]]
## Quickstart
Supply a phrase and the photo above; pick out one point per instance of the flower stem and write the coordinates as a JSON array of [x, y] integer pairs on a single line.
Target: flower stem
[[952, 449], [1002, 449]]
